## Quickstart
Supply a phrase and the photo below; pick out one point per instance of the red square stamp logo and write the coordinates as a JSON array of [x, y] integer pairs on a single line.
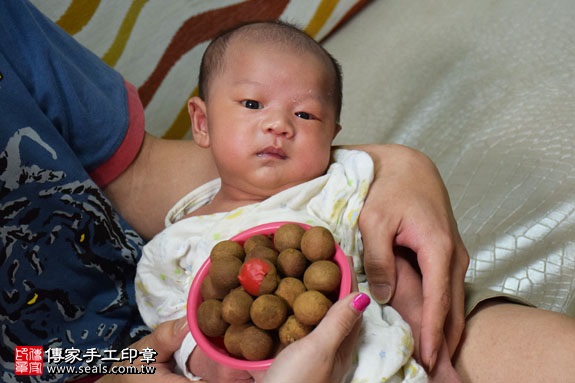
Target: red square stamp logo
[[29, 360]]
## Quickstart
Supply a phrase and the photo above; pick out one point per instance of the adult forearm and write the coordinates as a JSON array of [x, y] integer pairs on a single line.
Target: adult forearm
[[163, 172]]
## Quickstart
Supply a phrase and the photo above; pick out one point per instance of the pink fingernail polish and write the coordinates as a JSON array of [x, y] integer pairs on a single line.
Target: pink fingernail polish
[[360, 302]]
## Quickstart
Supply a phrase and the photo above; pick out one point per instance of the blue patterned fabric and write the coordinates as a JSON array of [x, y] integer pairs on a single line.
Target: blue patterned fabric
[[67, 260]]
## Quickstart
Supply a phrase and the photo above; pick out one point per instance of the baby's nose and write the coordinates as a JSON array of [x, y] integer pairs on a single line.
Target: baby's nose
[[280, 124]]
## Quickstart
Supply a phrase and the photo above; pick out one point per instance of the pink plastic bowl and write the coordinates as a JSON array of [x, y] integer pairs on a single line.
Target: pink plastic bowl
[[214, 347]]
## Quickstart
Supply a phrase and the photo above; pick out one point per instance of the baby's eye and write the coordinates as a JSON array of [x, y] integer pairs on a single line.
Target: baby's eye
[[252, 104], [304, 115]]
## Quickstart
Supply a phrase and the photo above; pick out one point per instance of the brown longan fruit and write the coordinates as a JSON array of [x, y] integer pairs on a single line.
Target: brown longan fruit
[[310, 307], [256, 344], [236, 307], [270, 282], [289, 288], [291, 263], [288, 236], [209, 291], [210, 321], [258, 240], [227, 247], [293, 330], [233, 338], [317, 243], [263, 252], [323, 276], [268, 312], [224, 271]]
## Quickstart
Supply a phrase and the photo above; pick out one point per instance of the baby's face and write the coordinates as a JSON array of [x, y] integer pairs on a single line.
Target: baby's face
[[271, 117]]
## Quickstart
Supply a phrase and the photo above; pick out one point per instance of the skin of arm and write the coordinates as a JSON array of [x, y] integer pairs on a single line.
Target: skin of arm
[[162, 173]]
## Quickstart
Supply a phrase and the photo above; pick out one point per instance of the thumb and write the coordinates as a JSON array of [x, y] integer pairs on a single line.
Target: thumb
[[339, 321], [379, 265], [165, 339]]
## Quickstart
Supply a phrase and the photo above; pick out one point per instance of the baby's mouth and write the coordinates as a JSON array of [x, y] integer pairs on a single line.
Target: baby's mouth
[[272, 152]]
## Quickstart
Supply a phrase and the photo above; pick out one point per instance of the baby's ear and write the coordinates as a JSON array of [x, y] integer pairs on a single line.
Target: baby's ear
[[199, 120], [337, 130]]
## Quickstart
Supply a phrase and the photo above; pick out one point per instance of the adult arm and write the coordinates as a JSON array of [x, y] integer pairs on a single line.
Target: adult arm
[[408, 206], [162, 172]]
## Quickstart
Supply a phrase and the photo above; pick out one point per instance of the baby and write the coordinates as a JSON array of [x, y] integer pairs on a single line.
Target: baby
[[268, 109]]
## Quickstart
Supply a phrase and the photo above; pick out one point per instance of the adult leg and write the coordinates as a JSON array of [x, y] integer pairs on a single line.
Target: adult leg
[[506, 342]]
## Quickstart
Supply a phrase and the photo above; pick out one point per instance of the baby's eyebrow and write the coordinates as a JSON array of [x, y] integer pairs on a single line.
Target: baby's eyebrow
[[312, 96], [247, 82]]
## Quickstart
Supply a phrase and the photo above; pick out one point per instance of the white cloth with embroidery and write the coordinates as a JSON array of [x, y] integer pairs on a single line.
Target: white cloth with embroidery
[[172, 258]]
